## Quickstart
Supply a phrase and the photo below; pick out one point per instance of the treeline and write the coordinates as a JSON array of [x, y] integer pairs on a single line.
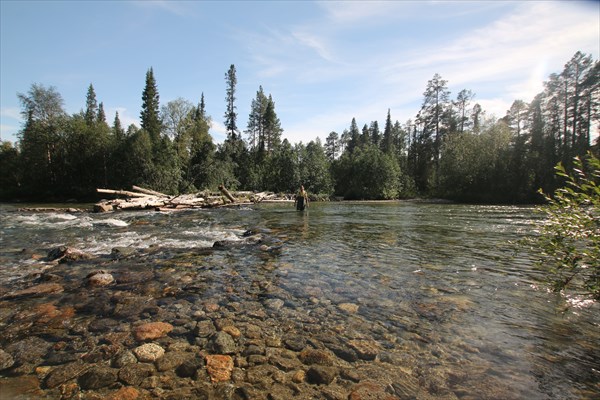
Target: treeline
[[451, 149]]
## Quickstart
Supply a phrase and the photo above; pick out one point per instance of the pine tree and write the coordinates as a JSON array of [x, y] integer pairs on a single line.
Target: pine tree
[[463, 99], [149, 116], [332, 146], [255, 129], [230, 113]]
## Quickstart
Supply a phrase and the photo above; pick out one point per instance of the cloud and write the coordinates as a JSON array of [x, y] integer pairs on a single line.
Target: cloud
[[513, 54], [177, 8], [124, 116], [315, 43], [10, 112], [218, 131], [8, 131]]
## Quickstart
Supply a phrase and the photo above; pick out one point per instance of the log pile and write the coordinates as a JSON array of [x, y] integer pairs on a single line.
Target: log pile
[[142, 199]]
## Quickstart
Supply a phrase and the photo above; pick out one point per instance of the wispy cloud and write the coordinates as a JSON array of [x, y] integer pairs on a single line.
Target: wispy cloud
[[179, 8], [124, 116], [10, 112], [507, 59]]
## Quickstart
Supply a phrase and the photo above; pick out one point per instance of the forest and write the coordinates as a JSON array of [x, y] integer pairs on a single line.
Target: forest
[[451, 149]]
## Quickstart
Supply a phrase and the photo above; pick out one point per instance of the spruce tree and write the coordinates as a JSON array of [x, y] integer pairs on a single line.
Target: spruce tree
[[91, 106], [149, 116], [388, 137], [101, 117], [118, 128]]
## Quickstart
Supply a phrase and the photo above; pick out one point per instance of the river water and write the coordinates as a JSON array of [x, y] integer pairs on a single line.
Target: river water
[[438, 287]]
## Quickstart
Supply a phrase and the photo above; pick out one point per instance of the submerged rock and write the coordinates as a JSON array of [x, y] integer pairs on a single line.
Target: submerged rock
[[64, 373], [151, 331], [100, 278], [6, 360], [366, 349], [222, 343], [370, 391], [97, 377], [134, 374], [219, 367], [65, 254], [36, 290], [148, 352], [313, 356], [321, 375]]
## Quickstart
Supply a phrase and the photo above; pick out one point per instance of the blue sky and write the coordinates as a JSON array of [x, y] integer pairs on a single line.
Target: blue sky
[[323, 62]]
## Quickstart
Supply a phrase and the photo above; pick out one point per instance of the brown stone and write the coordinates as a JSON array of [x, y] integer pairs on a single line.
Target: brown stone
[[37, 290], [348, 307], [219, 367], [211, 307], [232, 331], [366, 349], [125, 393], [152, 330], [313, 356], [369, 391]]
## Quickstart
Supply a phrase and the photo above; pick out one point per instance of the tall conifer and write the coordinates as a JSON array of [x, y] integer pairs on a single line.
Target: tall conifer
[[149, 116]]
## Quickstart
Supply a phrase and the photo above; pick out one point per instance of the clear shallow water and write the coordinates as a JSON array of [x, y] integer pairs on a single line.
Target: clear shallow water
[[439, 283]]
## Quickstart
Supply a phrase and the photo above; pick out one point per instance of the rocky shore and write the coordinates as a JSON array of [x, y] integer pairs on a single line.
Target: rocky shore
[[201, 324]]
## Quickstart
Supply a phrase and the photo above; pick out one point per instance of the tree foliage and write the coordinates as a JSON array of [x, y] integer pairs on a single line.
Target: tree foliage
[[569, 235], [450, 149]]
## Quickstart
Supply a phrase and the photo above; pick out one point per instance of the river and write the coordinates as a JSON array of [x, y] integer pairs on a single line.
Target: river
[[420, 300]]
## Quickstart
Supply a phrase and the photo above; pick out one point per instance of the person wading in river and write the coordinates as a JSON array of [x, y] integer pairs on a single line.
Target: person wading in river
[[301, 201]]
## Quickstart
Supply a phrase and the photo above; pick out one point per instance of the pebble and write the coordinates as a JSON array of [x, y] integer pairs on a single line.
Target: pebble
[[348, 307], [148, 352], [232, 331]]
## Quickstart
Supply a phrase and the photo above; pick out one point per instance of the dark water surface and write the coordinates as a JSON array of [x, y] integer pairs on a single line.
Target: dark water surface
[[438, 287]]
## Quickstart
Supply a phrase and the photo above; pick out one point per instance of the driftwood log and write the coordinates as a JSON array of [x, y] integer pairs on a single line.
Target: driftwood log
[[142, 199]]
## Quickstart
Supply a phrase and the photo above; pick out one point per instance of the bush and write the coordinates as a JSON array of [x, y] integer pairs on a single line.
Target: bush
[[569, 238]]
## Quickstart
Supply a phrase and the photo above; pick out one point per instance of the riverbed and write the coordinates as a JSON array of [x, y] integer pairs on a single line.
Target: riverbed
[[357, 300]]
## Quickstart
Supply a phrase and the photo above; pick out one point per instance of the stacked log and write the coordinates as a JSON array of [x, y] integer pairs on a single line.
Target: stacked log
[[142, 199]]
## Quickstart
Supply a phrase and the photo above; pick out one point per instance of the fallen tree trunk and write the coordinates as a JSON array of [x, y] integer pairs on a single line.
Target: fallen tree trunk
[[226, 193], [148, 191], [143, 199], [122, 192]]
